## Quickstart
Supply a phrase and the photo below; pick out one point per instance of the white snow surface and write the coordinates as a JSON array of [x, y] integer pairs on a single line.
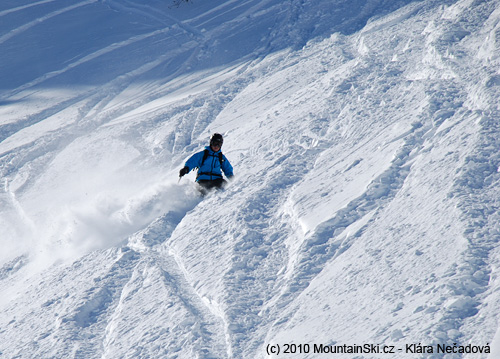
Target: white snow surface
[[365, 207]]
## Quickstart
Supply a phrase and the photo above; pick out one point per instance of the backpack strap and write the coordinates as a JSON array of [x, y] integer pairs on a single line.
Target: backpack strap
[[205, 156]]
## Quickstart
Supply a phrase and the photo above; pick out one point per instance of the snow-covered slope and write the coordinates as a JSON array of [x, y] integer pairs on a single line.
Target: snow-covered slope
[[365, 208]]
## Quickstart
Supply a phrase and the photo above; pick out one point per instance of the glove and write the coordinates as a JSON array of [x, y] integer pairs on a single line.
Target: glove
[[184, 171]]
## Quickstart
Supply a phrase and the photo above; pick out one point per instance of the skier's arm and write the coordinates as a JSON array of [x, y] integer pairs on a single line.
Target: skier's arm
[[193, 162], [227, 168]]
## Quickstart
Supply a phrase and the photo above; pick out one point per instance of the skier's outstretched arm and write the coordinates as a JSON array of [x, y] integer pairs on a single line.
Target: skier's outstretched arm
[[193, 162]]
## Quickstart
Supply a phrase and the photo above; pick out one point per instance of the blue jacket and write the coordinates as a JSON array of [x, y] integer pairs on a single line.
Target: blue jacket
[[211, 168]]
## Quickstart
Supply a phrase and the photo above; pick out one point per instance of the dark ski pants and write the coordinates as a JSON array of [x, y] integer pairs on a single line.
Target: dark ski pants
[[207, 185]]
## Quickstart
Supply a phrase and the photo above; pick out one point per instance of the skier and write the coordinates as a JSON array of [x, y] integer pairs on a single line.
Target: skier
[[209, 162]]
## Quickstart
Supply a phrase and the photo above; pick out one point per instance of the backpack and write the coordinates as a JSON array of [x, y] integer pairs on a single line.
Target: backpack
[[205, 156]]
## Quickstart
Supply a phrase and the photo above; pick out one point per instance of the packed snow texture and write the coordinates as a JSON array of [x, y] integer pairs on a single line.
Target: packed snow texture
[[365, 139]]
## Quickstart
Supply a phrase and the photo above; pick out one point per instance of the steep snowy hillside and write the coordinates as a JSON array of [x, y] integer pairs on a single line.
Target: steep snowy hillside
[[363, 217]]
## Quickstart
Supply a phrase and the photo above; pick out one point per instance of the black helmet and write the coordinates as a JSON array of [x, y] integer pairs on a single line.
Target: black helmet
[[216, 140]]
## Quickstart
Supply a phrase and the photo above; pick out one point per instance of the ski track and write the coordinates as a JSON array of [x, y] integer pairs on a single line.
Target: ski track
[[17, 31], [101, 52], [100, 302], [210, 323], [78, 319], [202, 331], [202, 304], [19, 8], [148, 12]]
